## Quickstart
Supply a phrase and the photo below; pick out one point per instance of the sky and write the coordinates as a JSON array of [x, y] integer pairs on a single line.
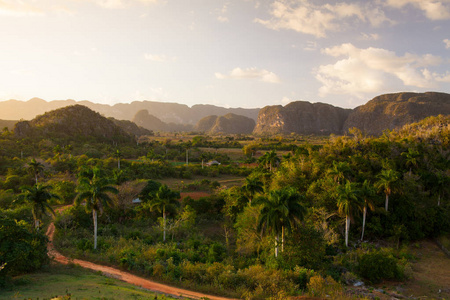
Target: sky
[[230, 53]]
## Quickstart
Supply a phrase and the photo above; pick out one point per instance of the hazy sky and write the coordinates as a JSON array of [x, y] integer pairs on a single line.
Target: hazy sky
[[237, 53]]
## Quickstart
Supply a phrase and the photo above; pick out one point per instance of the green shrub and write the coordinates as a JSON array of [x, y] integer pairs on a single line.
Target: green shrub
[[378, 265]]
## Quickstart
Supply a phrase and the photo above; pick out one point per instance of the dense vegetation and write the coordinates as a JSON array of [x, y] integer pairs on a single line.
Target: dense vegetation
[[302, 221]]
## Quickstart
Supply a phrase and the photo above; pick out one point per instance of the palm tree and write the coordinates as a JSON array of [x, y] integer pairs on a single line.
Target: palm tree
[[94, 190], [251, 187], [269, 159], [367, 193], [386, 180], [280, 212], [411, 158], [35, 168], [118, 155], [339, 171], [347, 202], [164, 197], [38, 196]]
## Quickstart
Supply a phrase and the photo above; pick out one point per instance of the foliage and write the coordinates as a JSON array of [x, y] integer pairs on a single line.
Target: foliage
[[22, 248]]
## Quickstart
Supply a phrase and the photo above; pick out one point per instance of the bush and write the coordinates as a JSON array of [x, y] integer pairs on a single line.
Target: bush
[[378, 265], [22, 248]]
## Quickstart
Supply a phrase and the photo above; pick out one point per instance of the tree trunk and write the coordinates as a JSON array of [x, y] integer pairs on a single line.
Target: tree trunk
[[118, 163], [282, 239], [347, 228], [276, 246], [36, 178], [94, 216], [164, 223], [439, 199], [364, 222], [387, 202], [36, 224]]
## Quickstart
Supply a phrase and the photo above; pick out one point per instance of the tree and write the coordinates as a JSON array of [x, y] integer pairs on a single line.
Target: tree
[[269, 159], [280, 212], [164, 197], [347, 202], [386, 180], [38, 196], [251, 187], [94, 190], [411, 158], [367, 193], [339, 171], [118, 155], [35, 168]]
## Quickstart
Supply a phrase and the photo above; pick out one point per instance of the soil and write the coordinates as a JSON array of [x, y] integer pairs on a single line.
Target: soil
[[125, 276]]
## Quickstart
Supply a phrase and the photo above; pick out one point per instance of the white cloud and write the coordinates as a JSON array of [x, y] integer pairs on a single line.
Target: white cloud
[[250, 73], [222, 19], [285, 101], [433, 9], [447, 43], [370, 37], [18, 8], [306, 17], [159, 58], [372, 70]]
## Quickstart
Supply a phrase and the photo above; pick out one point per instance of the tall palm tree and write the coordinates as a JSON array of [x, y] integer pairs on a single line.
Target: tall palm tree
[[411, 158], [94, 190], [164, 198], [38, 196], [251, 187], [118, 155], [347, 202], [281, 211], [269, 159], [367, 193], [339, 171], [386, 181], [35, 168]]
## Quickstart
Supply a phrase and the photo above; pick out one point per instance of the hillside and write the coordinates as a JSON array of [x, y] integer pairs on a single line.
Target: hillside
[[7, 123], [392, 111], [301, 117], [73, 123], [227, 124], [131, 127]]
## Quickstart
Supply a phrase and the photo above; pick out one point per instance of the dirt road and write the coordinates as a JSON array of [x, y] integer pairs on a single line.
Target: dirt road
[[125, 276]]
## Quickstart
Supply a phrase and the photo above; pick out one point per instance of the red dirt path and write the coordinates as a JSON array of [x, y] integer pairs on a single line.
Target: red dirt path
[[124, 276]]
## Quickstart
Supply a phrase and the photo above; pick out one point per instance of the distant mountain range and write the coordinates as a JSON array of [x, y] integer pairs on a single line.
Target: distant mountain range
[[389, 111], [166, 112]]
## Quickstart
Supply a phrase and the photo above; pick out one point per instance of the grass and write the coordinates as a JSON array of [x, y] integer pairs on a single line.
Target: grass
[[72, 282]]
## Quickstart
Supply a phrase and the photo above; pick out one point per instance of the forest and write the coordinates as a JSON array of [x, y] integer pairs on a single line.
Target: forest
[[302, 215]]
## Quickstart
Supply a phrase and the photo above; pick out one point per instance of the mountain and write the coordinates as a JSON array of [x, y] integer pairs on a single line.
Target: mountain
[[227, 124], [75, 123], [392, 111], [148, 121], [131, 127], [7, 123], [301, 117], [166, 112]]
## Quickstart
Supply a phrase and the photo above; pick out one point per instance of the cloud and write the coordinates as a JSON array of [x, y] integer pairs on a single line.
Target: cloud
[[447, 43], [433, 9], [159, 58], [119, 4], [306, 17], [371, 70], [222, 19], [18, 8], [250, 73]]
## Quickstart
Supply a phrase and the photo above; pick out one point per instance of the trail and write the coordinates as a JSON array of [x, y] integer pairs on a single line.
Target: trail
[[125, 276]]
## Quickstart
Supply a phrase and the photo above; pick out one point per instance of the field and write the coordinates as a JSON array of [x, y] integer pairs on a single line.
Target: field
[[73, 282]]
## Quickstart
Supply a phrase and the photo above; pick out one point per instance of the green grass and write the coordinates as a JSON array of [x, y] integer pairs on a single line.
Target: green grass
[[72, 282]]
